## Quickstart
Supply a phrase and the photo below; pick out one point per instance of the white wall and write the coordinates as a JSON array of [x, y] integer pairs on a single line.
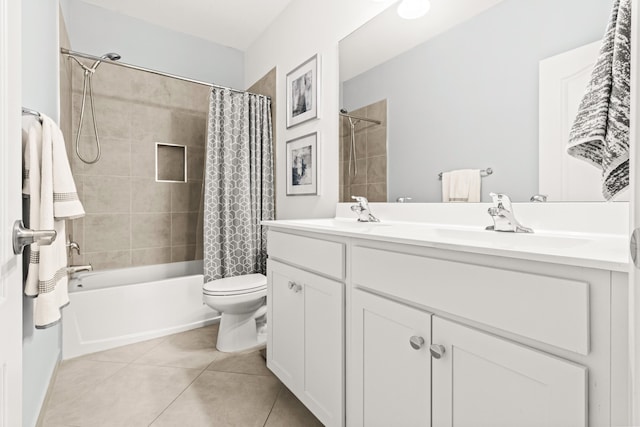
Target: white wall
[[95, 30], [304, 28], [40, 88]]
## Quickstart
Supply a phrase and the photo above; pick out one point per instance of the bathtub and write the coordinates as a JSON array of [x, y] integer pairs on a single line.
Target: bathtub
[[112, 308]]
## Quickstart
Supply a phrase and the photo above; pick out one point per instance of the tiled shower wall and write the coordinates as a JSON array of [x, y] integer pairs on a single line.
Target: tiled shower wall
[[132, 219], [370, 153]]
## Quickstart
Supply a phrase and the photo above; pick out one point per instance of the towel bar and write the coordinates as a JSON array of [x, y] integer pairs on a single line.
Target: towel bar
[[483, 173]]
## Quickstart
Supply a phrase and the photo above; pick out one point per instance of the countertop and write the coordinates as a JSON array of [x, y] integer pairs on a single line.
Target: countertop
[[591, 250]]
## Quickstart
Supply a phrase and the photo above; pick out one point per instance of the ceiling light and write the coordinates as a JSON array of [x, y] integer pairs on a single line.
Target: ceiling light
[[412, 9]]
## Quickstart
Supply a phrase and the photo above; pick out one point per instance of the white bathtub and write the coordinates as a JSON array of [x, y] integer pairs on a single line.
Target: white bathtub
[[112, 308]]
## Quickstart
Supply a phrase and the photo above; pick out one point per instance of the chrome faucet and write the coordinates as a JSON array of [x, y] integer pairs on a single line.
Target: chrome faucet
[[78, 268], [362, 209], [538, 198], [503, 217], [73, 246]]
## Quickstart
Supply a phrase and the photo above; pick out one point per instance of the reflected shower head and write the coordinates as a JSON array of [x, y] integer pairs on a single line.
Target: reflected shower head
[[343, 111]]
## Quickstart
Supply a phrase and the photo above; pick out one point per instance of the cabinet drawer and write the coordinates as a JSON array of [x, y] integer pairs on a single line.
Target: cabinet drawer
[[547, 309], [323, 256]]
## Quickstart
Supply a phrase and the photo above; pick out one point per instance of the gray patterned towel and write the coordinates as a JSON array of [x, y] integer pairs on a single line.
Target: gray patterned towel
[[600, 133]]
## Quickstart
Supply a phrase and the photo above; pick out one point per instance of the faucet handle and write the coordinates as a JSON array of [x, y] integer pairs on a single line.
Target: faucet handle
[[360, 199], [501, 200]]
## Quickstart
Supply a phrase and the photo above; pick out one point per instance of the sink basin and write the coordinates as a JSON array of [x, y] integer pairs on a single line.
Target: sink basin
[[343, 223], [511, 240]]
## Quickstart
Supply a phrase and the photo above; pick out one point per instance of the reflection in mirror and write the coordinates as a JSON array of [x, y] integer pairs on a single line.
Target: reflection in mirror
[[456, 89]]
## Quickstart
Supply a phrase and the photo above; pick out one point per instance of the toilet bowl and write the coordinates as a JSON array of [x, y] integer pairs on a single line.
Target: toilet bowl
[[241, 300]]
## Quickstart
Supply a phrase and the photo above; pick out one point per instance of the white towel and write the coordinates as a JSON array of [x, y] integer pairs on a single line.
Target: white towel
[[461, 186], [53, 199]]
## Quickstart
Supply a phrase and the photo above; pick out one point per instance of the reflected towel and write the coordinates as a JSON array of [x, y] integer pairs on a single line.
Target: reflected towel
[[461, 186], [53, 198], [600, 133]]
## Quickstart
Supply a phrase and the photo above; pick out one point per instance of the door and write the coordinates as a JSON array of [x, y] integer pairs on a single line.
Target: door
[[563, 79], [634, 272], [10, 210], [485, 381], [390, 367]]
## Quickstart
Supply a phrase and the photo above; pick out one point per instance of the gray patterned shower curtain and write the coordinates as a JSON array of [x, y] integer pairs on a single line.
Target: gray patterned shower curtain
[[238, 188]]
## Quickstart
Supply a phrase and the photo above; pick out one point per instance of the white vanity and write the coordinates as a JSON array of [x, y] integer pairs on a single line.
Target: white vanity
[[439, 322]]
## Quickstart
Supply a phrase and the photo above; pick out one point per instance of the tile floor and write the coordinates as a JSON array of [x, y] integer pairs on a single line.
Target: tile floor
[[178, 380]]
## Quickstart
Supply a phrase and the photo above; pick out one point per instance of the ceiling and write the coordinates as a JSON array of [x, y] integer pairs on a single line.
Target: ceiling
[[388, 35], [232, 23]]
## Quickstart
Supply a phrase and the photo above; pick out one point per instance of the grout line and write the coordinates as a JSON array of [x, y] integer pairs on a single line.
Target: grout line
[[274, 404]]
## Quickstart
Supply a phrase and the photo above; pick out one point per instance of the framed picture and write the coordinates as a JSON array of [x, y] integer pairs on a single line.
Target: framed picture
[[302, 92], [302, 165]]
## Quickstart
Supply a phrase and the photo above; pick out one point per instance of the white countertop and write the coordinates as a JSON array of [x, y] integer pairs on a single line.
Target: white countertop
[[581, 249]]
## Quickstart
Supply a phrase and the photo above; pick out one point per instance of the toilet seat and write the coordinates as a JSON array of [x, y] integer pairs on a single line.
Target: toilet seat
[[238, 285]]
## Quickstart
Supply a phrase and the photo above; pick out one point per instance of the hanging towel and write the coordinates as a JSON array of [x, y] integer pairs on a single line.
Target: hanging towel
[[49, 184], [600, 133], [461, 186]]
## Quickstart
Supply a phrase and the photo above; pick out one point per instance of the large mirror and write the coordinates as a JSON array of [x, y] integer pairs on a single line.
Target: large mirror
[[459, 88]]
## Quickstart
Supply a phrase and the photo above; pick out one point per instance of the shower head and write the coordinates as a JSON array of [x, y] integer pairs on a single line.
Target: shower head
[[112, 56], [343, 111]]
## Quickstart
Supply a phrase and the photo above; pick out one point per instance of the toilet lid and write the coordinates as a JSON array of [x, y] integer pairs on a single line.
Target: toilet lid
[[236, 285]]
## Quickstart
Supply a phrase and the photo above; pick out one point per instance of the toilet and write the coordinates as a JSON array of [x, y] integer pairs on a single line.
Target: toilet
[[241, 300]]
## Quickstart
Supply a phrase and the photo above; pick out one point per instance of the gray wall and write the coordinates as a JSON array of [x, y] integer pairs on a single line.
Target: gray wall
[[469, 97], [40, 89], [96, 31]]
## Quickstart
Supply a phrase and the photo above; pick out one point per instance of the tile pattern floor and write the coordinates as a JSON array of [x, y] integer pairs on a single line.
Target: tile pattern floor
[[178, 380]]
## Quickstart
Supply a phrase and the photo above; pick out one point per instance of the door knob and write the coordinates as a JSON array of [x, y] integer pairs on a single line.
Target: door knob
[[23, 236], [416, 342], [437, 351]]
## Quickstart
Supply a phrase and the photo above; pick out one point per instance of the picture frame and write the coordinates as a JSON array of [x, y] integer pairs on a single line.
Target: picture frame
[[302, 165], [302, 92]]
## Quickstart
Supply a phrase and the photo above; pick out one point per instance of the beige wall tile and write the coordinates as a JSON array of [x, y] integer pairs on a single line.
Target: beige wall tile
[[115, 156], [186, 197], [183, 253], [143, 159], [150, 230], [150, 256], [377, 142], [196, 163], [148, 196], [378, 111], [377, 169], [107, 232], [361, 145], [377, 192], [106, 260], [358, 190], [183, 228], [106, 194], [361, 176]]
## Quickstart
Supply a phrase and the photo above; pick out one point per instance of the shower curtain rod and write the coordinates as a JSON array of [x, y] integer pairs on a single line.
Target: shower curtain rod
[[364, 119], [149, 70]]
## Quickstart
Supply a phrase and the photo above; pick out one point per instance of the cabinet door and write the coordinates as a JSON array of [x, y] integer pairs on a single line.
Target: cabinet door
[[285, 323], [391, 380], [482, 380], [305, 343]]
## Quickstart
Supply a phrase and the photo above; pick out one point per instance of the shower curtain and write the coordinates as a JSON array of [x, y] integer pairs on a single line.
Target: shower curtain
[[238, 188]]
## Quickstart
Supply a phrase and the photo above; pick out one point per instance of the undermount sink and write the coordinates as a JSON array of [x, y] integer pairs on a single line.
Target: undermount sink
[[512, 240], [343, 223]]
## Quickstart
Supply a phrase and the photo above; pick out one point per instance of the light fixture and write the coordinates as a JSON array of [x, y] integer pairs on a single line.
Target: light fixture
[[413, 9]]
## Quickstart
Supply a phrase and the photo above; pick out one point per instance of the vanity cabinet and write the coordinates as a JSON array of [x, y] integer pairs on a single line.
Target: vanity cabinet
[[444, 337], [305, 344], [391, 363], [482, 380]]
